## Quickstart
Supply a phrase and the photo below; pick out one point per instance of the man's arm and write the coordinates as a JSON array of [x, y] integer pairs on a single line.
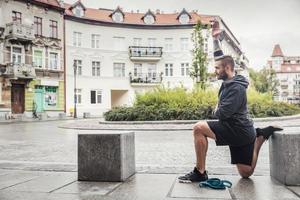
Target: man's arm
[[229, 104]]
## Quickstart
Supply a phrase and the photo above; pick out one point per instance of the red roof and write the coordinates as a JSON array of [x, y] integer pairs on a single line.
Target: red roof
[[103, 15], [290, 68], [49, 2], [277, 51]]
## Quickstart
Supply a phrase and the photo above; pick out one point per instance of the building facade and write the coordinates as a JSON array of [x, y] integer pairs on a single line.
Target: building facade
[[31, 57], [118, 54], [287, 70]]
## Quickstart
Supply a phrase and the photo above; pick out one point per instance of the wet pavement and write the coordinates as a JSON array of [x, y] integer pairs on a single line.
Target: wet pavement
[[39, 161]]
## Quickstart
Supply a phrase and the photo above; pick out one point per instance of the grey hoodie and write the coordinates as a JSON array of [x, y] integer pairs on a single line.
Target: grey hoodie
[[232, 108]]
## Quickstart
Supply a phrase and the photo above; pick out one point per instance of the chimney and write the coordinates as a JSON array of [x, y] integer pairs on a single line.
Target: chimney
[[138, 11]]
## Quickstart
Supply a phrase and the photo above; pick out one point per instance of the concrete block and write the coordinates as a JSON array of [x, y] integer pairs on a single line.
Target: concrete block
[[285, 156], [42, 116], [106, 157], [62, 115], [86, 115]]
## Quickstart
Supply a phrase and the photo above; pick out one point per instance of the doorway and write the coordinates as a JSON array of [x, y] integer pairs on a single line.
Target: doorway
[[17, 98]]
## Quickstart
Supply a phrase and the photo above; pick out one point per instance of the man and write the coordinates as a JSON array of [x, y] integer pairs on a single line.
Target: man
[[234, 128]]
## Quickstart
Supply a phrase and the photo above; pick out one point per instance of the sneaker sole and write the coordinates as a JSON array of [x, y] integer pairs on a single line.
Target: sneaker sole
[[184, 181]]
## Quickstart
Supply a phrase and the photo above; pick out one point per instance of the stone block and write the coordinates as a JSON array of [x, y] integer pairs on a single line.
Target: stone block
[[86, 115], [62, 115], [42, 116], [285, 156], [106, 157]]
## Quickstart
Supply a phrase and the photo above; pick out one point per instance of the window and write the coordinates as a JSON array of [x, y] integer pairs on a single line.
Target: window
[[168, 44], [78, 11], [16, 17], [137, 71], [37, 26], [119, 69], [17, 55], [152, 71], [96, 68], [77, 39], [50, 96], [38, 58], [78, 96], [78, 63], [168, 69], [184, 19], [149, 19], [137, 41], [118, 17], [96, 96], [95, 41], [184, 44], [53, 29], [119, 43], [53, 61], [151, 42], [185, 71]]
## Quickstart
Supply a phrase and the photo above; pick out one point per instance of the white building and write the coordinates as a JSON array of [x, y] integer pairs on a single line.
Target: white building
[[287, 70], [119, 54]]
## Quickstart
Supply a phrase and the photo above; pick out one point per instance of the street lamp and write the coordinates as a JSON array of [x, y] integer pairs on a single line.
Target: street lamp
[[75, 99]]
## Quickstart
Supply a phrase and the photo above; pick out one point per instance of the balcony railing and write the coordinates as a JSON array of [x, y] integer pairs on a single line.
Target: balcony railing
[[145, 78], [19, 31], [18, 70], [145, 53]]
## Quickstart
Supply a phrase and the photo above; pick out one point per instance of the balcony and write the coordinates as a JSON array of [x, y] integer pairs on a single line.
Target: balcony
[[21, 32], [18, 70], [138, 53], [145, 79]]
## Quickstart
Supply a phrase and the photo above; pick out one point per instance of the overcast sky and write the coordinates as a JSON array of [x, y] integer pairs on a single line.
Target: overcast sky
[[257, 24]]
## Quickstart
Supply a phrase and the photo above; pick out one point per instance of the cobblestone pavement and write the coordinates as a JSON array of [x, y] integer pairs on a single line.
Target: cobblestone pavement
[[44, 146]]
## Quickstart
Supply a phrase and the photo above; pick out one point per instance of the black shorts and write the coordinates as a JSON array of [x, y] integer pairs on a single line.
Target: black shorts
[[240, 154]]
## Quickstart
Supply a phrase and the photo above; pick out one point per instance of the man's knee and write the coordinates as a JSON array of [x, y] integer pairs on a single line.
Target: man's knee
[[199, 128], [245, 172]]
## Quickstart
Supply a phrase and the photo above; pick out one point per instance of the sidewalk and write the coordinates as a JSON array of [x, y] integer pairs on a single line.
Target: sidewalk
[[40, 185], [31, 119]]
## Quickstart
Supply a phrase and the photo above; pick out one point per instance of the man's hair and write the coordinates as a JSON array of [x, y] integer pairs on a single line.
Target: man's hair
[[227, 60]]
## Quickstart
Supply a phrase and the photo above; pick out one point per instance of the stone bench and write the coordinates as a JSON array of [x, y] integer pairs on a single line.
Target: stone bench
[[106, 157], [285, 156]]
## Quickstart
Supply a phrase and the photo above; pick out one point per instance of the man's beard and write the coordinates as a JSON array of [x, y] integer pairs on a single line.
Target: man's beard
[[223, 76]]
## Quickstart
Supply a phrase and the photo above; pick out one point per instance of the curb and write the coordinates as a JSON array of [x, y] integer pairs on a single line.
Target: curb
[[266, 119], [45, 120]]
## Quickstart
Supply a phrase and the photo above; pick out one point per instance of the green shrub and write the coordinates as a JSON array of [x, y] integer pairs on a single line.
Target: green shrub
[[179, 104]]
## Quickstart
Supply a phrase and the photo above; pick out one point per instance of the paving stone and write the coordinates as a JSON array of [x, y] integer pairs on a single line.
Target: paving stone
[[258, 188], [46, 183], [10, 179], [295, 189], [88, 188], [144, 187]]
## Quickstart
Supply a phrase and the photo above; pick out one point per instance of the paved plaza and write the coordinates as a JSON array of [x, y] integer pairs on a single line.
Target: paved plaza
[[38, 160]]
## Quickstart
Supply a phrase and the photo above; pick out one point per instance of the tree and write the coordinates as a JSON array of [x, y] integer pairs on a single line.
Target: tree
[[199, 69], [264, 80]]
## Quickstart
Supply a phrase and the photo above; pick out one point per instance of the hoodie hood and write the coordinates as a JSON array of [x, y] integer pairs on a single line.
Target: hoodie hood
[[238, 79]]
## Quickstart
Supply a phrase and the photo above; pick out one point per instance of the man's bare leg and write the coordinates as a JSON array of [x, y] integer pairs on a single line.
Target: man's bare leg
[[201, 131], [245, 170]]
